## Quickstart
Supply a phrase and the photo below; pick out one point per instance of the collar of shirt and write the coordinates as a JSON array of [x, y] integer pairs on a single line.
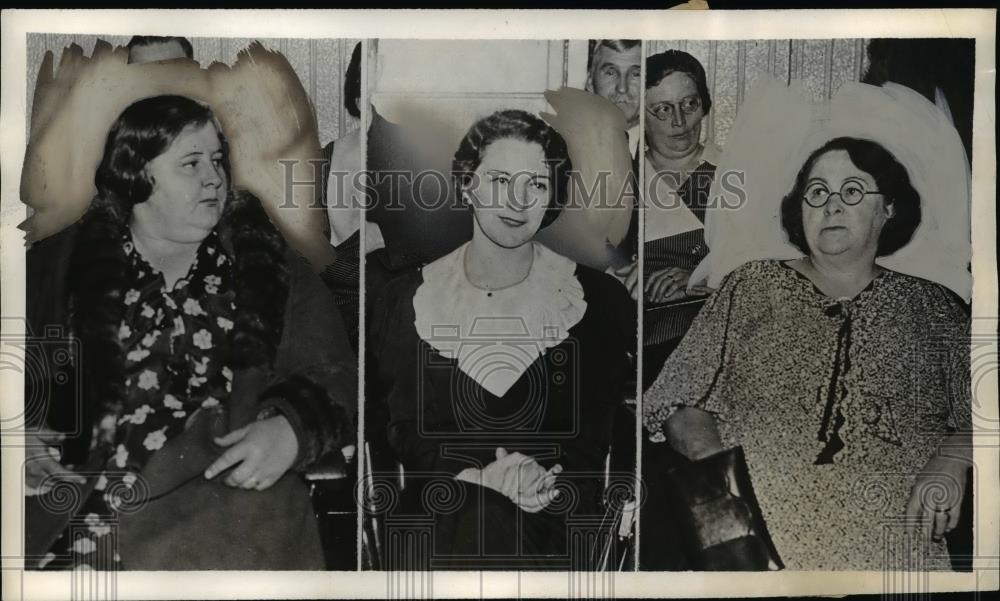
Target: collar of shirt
[[633, 140]]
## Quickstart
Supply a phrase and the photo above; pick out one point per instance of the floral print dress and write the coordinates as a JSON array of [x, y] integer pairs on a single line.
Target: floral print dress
[[837, 403], [176, 346]]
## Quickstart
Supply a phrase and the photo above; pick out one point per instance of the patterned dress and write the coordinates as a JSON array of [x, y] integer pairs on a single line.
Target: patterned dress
[[175, 344], [838, 403]]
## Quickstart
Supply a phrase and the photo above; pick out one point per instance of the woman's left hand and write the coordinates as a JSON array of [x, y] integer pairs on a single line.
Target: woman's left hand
[[265, 450], [936, 499], [667, 284]]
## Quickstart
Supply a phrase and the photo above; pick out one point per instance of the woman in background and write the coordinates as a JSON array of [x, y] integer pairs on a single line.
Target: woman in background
[[678, 175]]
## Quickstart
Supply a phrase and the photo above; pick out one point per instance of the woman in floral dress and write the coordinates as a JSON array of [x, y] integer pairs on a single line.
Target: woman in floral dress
[[846, 383], [186, 305]]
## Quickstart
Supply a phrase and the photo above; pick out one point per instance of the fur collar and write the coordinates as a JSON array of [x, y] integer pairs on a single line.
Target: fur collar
[[96, 287]]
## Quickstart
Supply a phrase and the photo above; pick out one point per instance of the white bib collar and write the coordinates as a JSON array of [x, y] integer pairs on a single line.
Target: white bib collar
[[495, 335]]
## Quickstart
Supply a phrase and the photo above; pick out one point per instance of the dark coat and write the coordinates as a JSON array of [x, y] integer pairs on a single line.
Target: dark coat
[[289, 349]]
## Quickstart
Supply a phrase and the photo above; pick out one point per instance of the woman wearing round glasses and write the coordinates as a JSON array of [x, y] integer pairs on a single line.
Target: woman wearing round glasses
[[679, 171], [845, 382]]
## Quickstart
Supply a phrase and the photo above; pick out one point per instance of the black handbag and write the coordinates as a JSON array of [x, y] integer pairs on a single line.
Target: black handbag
[[718, 518]]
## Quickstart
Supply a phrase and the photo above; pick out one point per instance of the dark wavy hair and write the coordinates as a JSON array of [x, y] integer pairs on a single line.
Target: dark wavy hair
[[660, 65], [352, 83], [141, 133], [519, 125], [891, 178]]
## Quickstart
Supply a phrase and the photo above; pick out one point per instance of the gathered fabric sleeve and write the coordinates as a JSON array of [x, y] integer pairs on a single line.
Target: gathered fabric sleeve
[[941, 327], [960, 384], [315, 387], [397, 389], [696, 371], [953, 337]]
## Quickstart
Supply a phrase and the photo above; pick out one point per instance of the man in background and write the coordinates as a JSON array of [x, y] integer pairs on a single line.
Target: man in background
[[149, 48], [614, 71]]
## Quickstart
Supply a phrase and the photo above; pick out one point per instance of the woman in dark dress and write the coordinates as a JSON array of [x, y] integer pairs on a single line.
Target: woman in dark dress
[[502, 365]]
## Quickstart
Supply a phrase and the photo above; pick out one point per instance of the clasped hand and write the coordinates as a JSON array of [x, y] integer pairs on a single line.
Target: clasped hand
[[519, 478], [264, 450], [661, 286]]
